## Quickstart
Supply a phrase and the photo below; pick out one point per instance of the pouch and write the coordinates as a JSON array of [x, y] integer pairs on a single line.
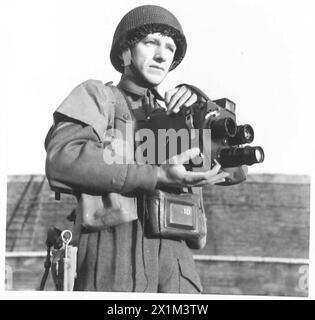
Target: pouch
[[101, 212], [174, 216]]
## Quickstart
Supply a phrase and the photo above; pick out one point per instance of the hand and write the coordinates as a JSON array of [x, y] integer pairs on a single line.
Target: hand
[[179, 97], [174, 174]]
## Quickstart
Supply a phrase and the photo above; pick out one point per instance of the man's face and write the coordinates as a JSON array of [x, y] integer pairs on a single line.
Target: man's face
[[153, 56]]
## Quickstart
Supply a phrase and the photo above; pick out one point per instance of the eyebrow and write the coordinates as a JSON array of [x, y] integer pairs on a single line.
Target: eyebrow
[[170, 44]]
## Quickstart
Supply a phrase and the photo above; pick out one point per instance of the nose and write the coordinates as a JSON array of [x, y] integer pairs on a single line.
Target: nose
[[160, 54]]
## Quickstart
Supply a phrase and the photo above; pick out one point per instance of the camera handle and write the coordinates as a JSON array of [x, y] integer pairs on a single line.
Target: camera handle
[[196, 90], [206, 133], [188, 111]]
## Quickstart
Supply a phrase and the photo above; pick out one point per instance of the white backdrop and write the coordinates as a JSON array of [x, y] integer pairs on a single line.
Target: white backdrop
[[257, 53]]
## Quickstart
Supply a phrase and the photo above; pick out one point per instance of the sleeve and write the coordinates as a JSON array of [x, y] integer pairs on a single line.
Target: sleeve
[[75, 150]]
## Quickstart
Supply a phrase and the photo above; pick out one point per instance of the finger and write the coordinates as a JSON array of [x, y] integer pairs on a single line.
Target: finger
[[212, 177], [193, 99], [216, 168], [207, 183], [212, 180], [175, 97], [181, 101], [194, 178], [168, 95], [204, 177], [184, 156], [220, 181]]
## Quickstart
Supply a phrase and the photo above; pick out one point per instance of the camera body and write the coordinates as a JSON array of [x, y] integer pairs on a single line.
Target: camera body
[[229, 141], [210, 126]]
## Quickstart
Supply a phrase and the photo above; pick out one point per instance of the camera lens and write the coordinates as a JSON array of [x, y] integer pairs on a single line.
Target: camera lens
[[235, 156], [244, 134], [225, 127], [259, 154]]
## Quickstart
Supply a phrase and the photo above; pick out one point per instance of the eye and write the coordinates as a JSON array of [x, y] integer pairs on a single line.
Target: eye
[[171, 48]]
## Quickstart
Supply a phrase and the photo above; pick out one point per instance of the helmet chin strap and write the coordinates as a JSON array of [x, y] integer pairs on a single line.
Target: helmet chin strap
[[138, 77]]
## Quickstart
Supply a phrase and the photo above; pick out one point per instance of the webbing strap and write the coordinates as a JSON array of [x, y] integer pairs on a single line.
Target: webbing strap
[[121, 103], [117, 106], [47, 266]]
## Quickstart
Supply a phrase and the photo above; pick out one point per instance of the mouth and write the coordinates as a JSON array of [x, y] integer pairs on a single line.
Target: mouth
[[157, 67]]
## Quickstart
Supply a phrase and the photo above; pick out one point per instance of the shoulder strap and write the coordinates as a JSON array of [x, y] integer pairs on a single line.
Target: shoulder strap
[[123, 119], [121, 104]]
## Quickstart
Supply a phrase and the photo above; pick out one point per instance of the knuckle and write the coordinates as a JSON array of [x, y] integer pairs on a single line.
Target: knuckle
[[167, 95], [183, 89], [188, 94], [170, 93]]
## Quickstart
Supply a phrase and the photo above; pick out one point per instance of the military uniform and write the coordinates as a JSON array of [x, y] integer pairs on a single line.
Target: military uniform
[[120, 258]]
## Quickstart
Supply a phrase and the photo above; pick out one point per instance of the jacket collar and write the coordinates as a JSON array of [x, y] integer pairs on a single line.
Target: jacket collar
[[130, 84]]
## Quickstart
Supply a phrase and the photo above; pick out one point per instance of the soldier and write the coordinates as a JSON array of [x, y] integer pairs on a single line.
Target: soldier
[[148, 43]]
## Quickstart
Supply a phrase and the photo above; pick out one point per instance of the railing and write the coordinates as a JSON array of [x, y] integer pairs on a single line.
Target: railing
[[198, 257]]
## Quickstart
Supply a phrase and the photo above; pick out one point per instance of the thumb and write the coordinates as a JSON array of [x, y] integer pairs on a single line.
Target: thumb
[[184, 156], [169, 94]]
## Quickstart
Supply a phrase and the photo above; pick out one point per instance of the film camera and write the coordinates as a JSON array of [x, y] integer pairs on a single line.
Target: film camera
[[211, 126]]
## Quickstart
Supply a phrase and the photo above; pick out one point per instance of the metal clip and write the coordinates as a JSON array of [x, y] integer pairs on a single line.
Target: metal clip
[[66, 237]]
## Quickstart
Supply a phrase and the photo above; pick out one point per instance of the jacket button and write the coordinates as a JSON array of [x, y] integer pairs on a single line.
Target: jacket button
[[126, 116]]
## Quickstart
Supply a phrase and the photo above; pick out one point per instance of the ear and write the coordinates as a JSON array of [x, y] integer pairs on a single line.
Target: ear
[[126, 56]]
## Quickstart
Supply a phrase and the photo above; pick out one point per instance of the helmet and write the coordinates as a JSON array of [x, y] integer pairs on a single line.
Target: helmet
[[141, 21]]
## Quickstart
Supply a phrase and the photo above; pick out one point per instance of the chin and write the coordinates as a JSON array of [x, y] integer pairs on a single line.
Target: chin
[[154, 80]]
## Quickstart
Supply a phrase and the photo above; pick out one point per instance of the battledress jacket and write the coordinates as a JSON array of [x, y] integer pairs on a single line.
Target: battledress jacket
[[118, 258]]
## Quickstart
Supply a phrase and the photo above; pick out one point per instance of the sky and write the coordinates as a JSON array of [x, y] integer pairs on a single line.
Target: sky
[[257, 53]]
